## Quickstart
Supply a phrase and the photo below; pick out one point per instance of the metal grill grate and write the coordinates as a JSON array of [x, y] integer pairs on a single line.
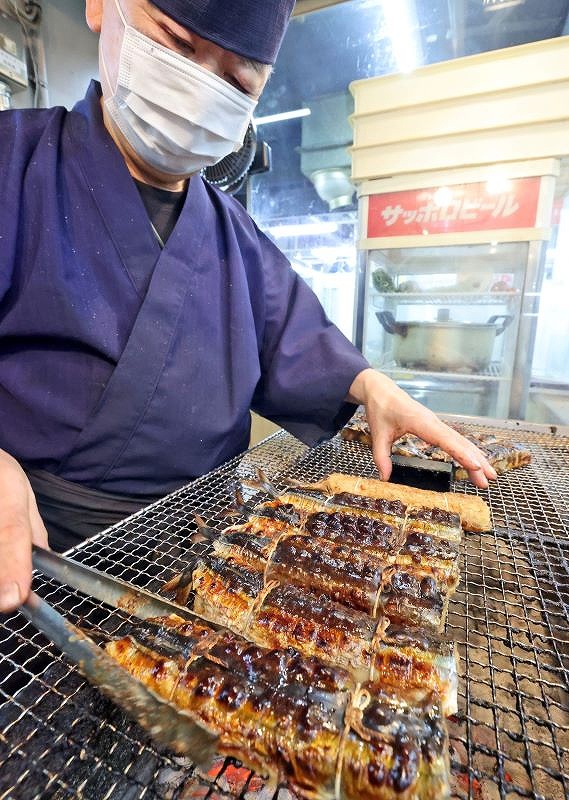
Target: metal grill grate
[[60, 739]]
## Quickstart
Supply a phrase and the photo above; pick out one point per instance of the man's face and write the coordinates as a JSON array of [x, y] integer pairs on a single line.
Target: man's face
[[249, 77]]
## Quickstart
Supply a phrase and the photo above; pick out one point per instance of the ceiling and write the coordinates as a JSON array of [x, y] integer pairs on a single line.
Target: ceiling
[[326, 49]]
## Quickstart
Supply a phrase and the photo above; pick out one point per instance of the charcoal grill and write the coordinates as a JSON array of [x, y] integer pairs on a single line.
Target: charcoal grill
[[59, 738]]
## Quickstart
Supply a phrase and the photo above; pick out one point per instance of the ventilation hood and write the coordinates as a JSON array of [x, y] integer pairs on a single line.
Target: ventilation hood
[[324, 156]]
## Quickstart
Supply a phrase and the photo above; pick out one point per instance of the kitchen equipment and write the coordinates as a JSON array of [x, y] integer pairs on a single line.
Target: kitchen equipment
[[444, 345], [510, 738], [422, 473], [453, 395], [166, 723]]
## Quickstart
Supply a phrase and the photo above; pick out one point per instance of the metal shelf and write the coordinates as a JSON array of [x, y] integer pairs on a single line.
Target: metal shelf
[[444, 298], [494, 372]]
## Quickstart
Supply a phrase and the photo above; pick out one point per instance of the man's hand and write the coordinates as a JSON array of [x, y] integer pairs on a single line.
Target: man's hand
[[391, 413], [20, 525]]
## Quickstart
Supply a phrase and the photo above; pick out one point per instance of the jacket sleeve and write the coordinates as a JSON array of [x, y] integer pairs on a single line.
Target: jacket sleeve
[[307, 364]]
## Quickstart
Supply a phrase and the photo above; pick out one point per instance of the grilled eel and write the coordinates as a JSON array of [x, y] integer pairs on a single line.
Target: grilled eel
[[300, 721], [345, 574], [342, 573], [435, 518], [283, 616], [502, 454], [474, 513], [426, 537]]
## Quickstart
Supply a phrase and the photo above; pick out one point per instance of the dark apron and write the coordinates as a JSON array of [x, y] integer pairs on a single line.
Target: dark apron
[[72, 513]]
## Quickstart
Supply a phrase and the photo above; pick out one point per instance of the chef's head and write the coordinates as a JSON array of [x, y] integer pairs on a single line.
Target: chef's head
[[181, 78]]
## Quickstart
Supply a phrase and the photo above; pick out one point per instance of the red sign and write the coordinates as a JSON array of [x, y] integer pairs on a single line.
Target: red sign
[[466, 207]]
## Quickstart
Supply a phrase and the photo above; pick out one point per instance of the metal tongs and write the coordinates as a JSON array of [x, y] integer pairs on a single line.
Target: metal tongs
[[166, 723]]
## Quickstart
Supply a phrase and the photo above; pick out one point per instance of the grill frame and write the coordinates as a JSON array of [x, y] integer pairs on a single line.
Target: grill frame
[[60, 738]]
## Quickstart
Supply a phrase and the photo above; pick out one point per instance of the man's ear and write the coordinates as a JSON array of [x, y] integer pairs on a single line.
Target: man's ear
[[94, 14]]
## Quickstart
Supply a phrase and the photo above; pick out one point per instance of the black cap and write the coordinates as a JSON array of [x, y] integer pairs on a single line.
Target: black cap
[[251, 28]]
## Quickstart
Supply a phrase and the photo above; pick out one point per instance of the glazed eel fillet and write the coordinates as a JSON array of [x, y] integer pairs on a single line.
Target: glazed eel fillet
[[425, 537], [473, 512], [294, 718], [287, 616], [349, 554], [401, 507], [412, 594]]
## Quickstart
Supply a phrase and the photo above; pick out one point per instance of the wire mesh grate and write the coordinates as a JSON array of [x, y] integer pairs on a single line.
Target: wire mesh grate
[[59, 738]]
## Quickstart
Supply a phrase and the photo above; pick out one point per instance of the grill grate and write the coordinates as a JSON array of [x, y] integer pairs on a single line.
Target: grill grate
[[59, 738]]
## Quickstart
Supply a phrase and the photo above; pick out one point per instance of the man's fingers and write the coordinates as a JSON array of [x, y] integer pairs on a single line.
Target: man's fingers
[[480, 471], [474, 462], [391, 413], [20, 525], [15, 559], [10, 596], [15, 534], [478, 478], [382, 456], [430, 428]]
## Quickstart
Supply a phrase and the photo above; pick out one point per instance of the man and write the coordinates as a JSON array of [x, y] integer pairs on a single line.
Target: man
[[141, 312]]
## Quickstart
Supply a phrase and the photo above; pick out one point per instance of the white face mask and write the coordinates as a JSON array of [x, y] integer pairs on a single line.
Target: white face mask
[[177, 116]]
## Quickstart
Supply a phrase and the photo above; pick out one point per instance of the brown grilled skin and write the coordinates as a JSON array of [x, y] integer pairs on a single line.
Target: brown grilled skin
[[244, 694], [278, 711], [339, 571], [474, 513], [345, 574], [406, 752], [348, 545], [342, 573], [290, 616]]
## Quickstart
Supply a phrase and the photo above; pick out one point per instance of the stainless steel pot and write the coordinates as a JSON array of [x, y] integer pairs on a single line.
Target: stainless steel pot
[[444, 346]]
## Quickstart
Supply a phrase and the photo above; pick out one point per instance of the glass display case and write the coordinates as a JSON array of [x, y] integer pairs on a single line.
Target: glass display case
[[449, 283], [443, 322]]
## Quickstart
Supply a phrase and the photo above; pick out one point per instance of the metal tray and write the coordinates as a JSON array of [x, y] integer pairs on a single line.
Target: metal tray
[[510, 616]]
